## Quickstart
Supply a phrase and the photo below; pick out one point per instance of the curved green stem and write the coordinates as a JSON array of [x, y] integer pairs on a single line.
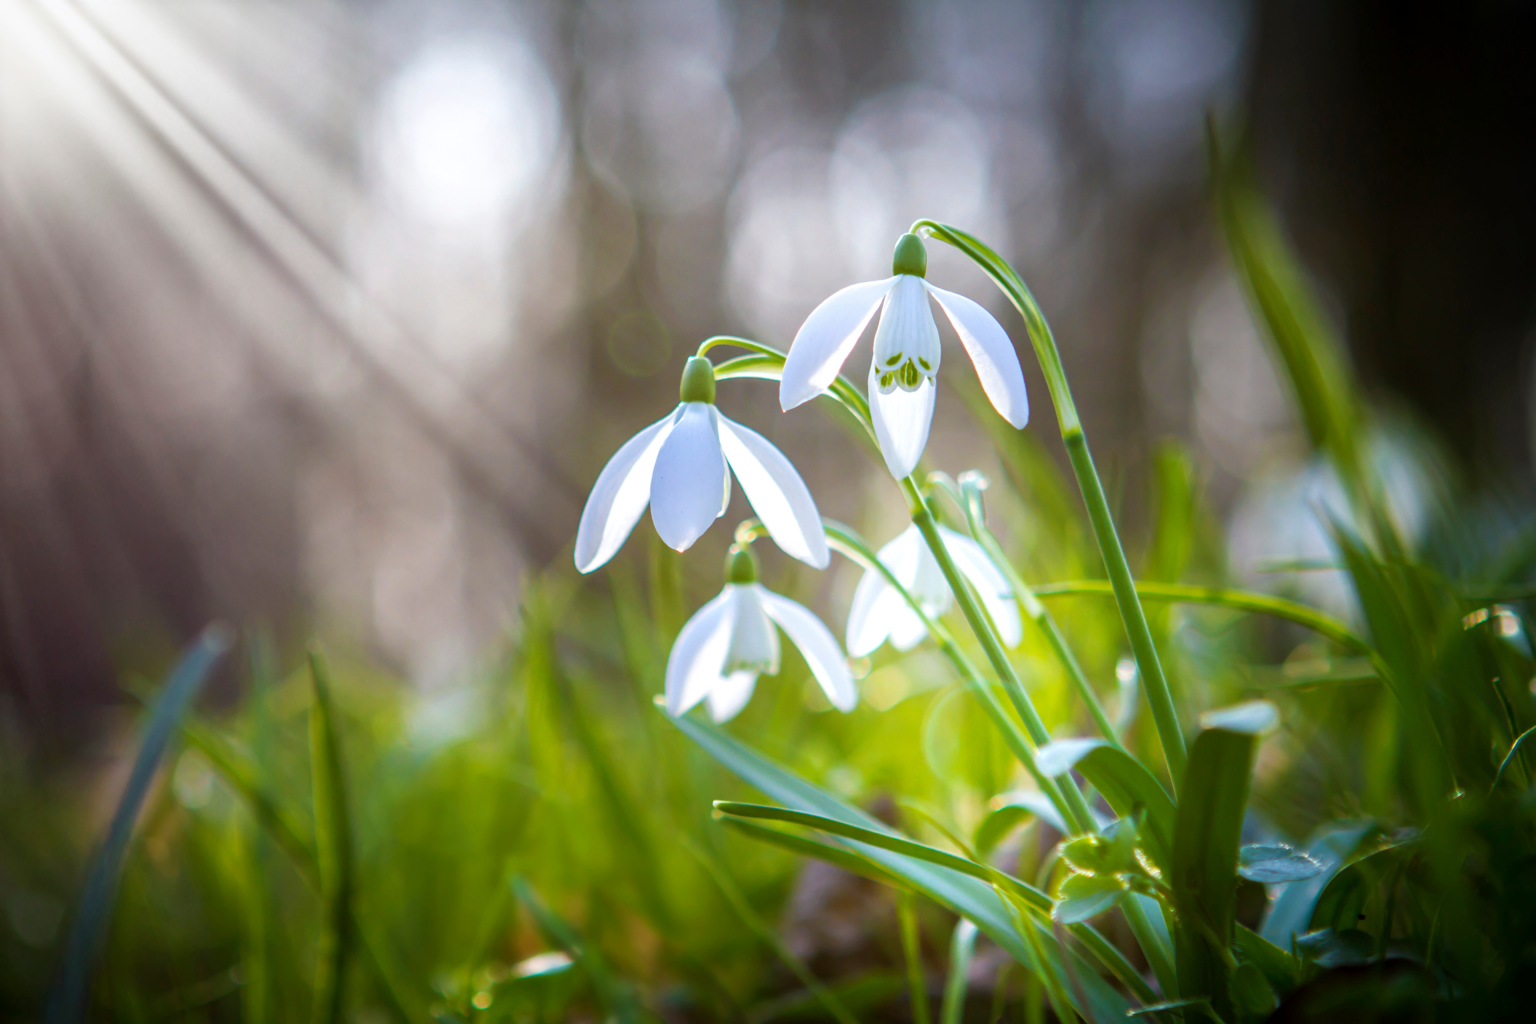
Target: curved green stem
[[767, 363], [1239, 600], [848, 543], [1131, 613], [981, 625], [967, 496]]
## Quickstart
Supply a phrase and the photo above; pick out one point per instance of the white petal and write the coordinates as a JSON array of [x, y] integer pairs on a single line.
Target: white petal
[[619, 497], [989, 582], [875, 602], [906, 328], [754, 642], [822, 344], [730, 695], [901, 555], [817, 645], [988, 345], [901, 421], [778, 495], [689, 478], [698, 655], [907, 629], [925, 580]]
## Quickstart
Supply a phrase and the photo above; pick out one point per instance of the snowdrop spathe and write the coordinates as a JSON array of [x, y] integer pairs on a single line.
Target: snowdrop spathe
[[879, 612], [734, 638], [681, 466], [904, 370]]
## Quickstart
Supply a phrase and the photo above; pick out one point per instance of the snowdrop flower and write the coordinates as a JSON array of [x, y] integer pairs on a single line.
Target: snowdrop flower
[[731, 640], [681, 466], [879, 612], [905, 367]]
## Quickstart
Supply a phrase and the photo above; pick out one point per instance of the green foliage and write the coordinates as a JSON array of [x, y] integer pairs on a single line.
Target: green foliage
[[541, 843]]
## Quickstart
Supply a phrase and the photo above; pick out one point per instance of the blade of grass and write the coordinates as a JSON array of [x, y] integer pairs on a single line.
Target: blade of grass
[[912, 951], [768, 934], [1207, 830], [1223, 597], [67, 997], [617, 998], [962, 944], [333, 849], [961, 893]]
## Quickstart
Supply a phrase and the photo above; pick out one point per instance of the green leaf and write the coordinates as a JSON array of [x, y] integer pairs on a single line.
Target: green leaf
[[891, 841], [1086, 895], [1059, 756], [1207, 831], [614, 994], [1127, 785], [1280, 968], [1329, 948], [1255, 717], [1332, 846], [67, 996], [964, 895], [1010, 810], [962, 944], [1275, 863], [333, 848], [1251, 993]]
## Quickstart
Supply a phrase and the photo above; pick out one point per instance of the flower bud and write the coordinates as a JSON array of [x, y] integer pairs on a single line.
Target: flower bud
[[910, 257], [740, 565], [698, 383]]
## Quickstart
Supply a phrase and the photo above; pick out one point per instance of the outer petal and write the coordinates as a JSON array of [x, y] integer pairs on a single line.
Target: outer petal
[[778, 495], [988, 345], [907, 630], [698, 655], [730, 695], [1001, 603], [869, 617], [901, 419], [619, 497], [689, 478], [817, 645], [822, 344]]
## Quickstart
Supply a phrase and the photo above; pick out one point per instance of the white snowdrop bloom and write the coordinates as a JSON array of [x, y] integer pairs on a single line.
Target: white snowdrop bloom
[[681, 467], [733, 639], [880, 613], [903, 372]]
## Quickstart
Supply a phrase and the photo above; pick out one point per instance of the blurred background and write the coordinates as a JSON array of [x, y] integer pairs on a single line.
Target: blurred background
[[325, 315]]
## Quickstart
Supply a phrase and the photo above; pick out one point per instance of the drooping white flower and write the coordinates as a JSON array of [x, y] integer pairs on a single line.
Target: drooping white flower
[[681, 467], [880, 613], [734, 638], [903, 371]]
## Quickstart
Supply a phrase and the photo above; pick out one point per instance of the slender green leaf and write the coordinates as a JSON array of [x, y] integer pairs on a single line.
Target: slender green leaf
[[886, 840], [962, 944], [1009, 811], [912, 952], [1207, 829], [67, 997], [960, 893], [333, 848], [616, 997]]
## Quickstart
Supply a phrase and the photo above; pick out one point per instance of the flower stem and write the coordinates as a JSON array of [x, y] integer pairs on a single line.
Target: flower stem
[[967, 495], [1135, 619], [981, 625], [852, 545]]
